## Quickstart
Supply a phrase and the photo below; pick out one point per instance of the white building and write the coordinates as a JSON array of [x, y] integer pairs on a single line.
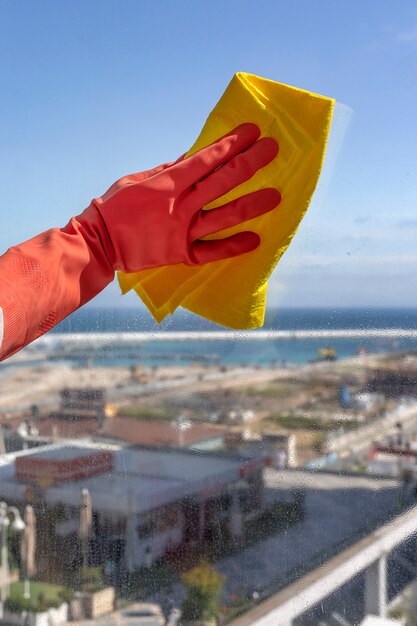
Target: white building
[[147, 502]]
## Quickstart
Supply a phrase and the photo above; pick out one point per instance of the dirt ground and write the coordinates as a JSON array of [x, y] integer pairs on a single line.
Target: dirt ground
[[303, 400]]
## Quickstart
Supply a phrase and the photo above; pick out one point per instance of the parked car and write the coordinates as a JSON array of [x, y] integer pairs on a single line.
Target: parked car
[[143, 614]]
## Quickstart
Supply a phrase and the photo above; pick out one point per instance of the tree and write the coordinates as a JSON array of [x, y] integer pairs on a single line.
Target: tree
[[204, 585]]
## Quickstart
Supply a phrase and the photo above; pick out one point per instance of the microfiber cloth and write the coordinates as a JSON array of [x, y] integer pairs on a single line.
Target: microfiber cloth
[[232, 292]]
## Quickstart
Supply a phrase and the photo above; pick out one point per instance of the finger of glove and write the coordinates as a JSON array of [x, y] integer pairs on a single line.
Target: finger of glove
[[202, 163], [216, 250], [235, 172], [233, 213]]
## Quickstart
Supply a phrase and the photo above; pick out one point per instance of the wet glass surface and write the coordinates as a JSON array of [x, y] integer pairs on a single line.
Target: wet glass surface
[[163, 474]]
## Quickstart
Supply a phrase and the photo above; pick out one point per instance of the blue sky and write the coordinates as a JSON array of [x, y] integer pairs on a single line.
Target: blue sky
[[93, 90]]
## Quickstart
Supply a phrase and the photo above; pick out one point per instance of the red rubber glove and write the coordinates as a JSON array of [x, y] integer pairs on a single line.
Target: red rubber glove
[[144, 220], [159, 220]]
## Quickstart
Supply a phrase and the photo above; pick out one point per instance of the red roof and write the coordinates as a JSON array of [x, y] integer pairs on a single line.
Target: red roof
[[75, 465], [131, 430], [158, 433]]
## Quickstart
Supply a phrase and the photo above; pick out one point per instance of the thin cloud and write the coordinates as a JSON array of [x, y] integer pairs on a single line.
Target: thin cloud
[[390, 37], [407, 36], [316, 261], [362, 219], [407, 223]]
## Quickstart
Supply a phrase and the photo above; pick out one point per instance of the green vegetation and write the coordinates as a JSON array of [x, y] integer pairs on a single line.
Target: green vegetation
[[91, 579], [292, 421], [146, 413], [238, 604], [204, 585], [146, 580], [360, 467], [396, 613], [278, 390], [279, 517], [42, 597], [318, 443]]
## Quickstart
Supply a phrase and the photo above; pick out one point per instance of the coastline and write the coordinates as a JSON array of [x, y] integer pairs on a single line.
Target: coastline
[[21, 387]]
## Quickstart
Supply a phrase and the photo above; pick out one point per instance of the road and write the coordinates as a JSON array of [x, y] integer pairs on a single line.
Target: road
[[358, 440], [337, 507]]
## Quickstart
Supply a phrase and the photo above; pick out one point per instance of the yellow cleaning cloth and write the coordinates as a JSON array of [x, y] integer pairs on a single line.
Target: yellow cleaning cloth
[[233, 292]]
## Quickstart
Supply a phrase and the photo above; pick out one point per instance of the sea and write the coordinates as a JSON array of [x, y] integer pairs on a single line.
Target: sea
[[290, 336]]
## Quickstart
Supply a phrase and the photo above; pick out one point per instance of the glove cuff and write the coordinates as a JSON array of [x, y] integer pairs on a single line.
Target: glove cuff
[[95, 233]]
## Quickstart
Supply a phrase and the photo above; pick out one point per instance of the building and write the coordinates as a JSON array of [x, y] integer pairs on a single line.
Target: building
[[393, 459], [82, 403], [131, 430], [21, 438], [147, 502], [281, 448], [196, 436]]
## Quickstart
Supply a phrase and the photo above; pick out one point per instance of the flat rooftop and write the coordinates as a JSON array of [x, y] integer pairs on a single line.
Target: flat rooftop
[[141, 478]]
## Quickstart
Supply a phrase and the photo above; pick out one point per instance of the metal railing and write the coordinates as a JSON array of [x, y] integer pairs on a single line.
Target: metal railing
[[294, 573]]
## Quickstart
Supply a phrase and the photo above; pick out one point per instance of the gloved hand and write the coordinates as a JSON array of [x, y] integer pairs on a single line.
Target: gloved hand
[[144, 220], [155, 218]]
